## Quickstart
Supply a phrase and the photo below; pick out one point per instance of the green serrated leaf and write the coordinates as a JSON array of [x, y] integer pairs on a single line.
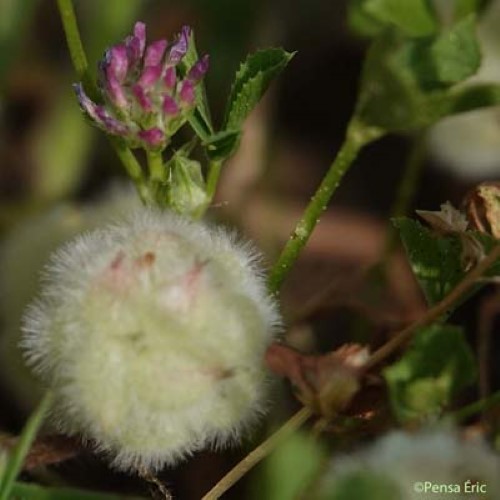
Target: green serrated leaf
[[222, 145], [412, 17], [449, 58], [251, 82], [407, 83], [436, 366], [27, 491], [390, 96], [435, 260]]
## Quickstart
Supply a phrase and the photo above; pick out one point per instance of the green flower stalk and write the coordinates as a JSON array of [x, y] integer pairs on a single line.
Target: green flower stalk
[[151, 333]]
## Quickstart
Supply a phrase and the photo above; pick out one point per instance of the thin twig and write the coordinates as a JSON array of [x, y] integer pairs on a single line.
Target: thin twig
[[256, 455], [434, 312], [476, 407], [156, 483]]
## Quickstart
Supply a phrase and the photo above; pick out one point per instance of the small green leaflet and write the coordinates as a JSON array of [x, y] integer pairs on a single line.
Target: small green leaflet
[[438, 364], [251, 82], [412, 17]]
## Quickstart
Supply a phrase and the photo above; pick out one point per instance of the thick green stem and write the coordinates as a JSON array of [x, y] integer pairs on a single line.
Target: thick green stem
[[74, 41], [357, 137], [80, 64]]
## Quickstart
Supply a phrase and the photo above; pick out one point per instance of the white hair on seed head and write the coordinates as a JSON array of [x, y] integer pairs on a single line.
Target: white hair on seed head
[[152, 333]]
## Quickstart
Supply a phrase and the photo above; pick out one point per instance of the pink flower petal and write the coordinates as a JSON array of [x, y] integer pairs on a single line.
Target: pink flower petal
[[170, 107], [153, 137], [154, 53]]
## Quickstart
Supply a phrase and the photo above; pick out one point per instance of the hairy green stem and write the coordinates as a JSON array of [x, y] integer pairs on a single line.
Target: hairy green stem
[[356, 138], [79, 59]]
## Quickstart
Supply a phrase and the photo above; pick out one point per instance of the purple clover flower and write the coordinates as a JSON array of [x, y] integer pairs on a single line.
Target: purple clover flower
[[145, 100]]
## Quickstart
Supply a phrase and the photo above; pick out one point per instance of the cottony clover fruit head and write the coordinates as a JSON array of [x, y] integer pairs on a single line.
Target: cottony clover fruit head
[[151, 333]]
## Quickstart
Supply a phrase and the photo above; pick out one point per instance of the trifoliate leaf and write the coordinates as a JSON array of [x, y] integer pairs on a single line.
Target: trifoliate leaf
[[412, 17], [435, 260], [437, 365], [448, 58], [251, 81], [407, 83]]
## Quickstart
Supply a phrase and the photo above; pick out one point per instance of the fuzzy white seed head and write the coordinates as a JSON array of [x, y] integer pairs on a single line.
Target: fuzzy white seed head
[[152, 334], [437, 456]]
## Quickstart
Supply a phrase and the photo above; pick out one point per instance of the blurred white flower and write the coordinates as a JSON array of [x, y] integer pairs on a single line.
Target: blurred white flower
[[407, 463], [469, 144]]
